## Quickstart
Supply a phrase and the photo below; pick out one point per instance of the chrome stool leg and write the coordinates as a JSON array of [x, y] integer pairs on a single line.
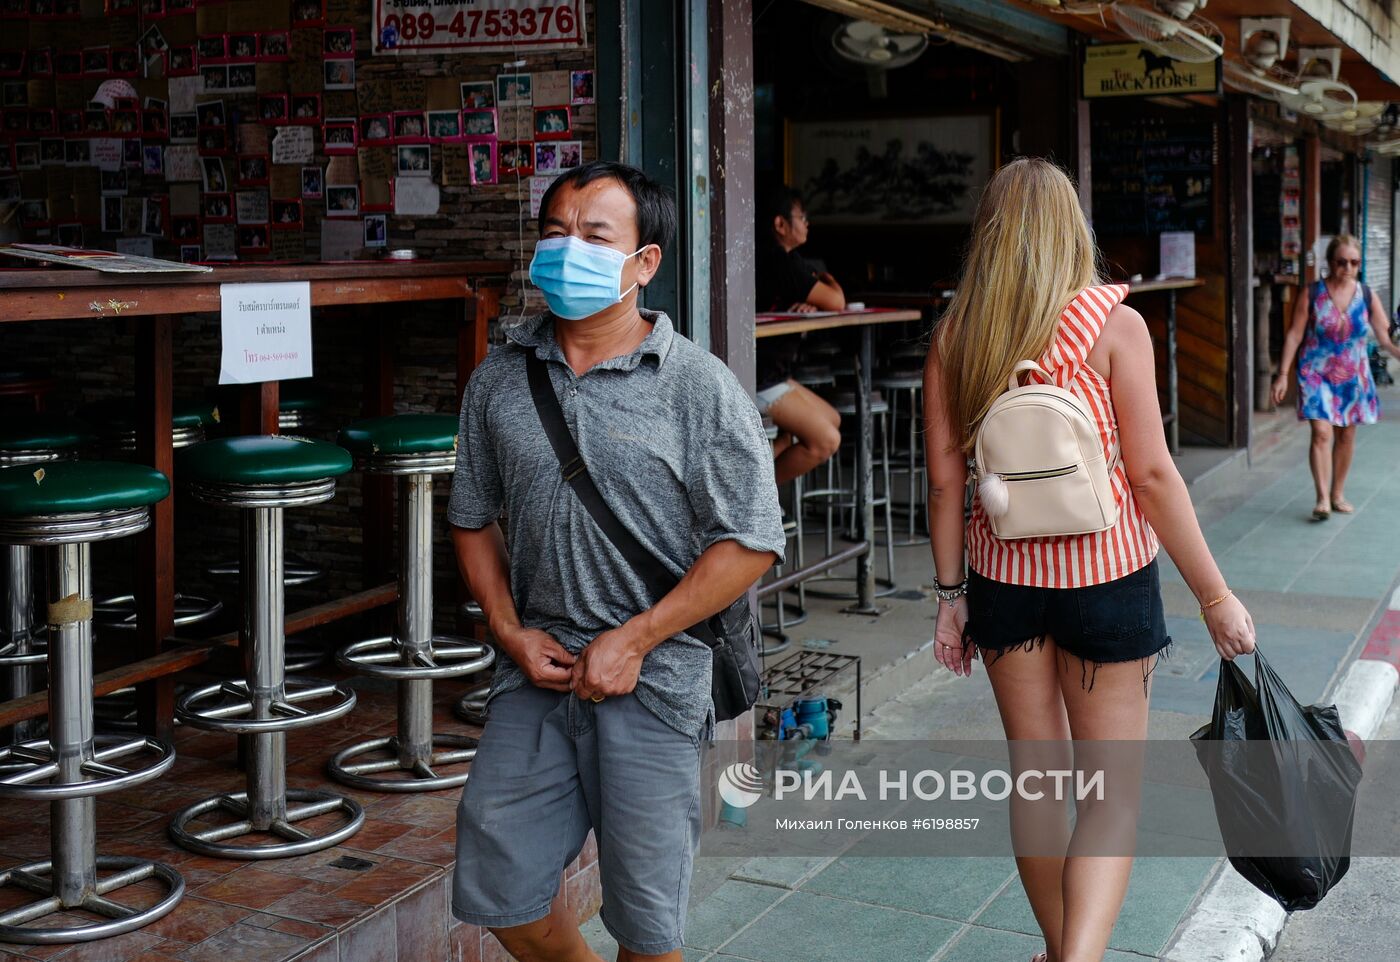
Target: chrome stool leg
[[70, 769], [263, 708], [410, 759], [21, 654]]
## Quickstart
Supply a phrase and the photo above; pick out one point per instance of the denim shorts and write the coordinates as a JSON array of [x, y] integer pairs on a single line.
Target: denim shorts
[[552, 768], [1117, 621]]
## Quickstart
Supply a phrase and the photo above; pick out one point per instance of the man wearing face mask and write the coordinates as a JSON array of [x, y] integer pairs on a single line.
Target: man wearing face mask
[[601, 697]]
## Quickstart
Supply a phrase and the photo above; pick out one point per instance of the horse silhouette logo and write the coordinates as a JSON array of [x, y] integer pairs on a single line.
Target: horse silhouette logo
[[1156, 63]]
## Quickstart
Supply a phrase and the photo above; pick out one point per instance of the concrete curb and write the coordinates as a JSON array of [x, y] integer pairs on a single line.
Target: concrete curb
[[1235, 922]]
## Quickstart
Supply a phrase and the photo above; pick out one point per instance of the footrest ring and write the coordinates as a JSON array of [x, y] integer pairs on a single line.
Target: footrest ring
[[37, 877], [211, 841], [102, 776], [230, 713], [445, 657], [471, 707], [403, 775]]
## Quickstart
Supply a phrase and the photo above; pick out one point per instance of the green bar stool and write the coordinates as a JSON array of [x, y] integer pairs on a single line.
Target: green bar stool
[[262, 475], [29, 439], [298, 402], [414, 448], [65, 506]]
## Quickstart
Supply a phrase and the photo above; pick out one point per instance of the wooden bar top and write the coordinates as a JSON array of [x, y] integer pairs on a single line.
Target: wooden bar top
[[69, 294], [828, 322]]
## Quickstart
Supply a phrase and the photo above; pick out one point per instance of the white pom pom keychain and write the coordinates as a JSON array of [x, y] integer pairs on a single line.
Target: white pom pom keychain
[[996, 499]]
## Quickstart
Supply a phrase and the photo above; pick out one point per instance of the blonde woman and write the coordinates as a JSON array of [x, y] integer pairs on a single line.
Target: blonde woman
[[1069, 628], [1335, 389]]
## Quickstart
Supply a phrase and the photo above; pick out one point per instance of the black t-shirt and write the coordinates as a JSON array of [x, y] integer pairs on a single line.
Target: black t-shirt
[[784, 278]]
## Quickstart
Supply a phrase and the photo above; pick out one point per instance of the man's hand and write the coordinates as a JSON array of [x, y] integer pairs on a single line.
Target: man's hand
[[545, 662], [610, 664], [802, 307]]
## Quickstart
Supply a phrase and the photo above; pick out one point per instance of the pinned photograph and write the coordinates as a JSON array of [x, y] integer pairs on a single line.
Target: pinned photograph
[[51, 152], [97, 61], [342, 201], [126, 62], [478, 95], [113, 182], [444, 126], [514, 90], [376, 129], [27, 155], [11, 63], [111, 215], [272, 108], [275, 45], [308, 13], [153, 160], [339, 136], [339, 74], [41, 62], [312, 182], [338, 42], [286, 214], [214, 178], [515, 157], [153, 224], [215, 78], [482, 156], [479, 123], [242, 77], [415, 161], [173, 7], [153, 41], [213, 140], [552, 122], [211, 113], [409, 128], [184, 230], [70, 122], [34, 213], [212, 49], [152, 8], [69, 63], [122, 7], [17, 122], [253, 238], [154, 125], [305, 108], [77, 153], [376, 230], [581, 87], [184, 128], [242, 46], [546, 158], [131, 153], [180, 62], [15, 94], [190, 254], [217, 208], [252, 170], [43, 121]]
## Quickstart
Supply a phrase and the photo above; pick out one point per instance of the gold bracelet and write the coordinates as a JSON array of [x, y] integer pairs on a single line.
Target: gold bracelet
[[1212, 604]]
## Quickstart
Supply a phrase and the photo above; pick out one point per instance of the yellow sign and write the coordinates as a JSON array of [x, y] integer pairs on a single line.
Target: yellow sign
[[1133, 70]]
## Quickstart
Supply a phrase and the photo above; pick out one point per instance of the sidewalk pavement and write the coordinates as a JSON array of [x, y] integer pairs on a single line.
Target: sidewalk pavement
[[1317, 592]]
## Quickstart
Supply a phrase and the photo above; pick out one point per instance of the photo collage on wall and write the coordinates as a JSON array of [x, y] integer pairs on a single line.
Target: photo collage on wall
[[221, 130]]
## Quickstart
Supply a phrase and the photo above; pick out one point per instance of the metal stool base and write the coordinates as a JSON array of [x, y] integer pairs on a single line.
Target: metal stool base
[[883, 589], [119, 611], [471, 707], [303, 654], [211, 840], [422, 775], [37, 878]]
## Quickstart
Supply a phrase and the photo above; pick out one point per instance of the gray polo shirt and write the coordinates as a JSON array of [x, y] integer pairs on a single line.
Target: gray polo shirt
[[676, 447]]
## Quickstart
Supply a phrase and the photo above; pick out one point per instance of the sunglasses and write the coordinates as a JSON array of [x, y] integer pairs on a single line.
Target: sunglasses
[[1346, 262]]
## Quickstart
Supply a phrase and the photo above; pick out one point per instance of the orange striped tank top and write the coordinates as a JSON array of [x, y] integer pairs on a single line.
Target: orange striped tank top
[[1076, 561]]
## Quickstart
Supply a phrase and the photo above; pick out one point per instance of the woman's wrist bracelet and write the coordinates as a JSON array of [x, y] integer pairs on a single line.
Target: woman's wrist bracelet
[[1211, 604], [948, 594]]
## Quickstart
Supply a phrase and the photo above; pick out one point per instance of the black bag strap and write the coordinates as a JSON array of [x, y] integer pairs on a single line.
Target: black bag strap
[[658, 578]]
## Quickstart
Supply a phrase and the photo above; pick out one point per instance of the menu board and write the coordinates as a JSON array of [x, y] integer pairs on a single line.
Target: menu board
[[1153, 176]]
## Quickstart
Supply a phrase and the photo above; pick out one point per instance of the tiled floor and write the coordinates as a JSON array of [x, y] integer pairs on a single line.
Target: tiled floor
[[382, 896]]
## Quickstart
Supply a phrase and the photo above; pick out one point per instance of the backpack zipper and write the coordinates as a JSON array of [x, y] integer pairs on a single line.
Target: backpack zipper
[[1038, 475]]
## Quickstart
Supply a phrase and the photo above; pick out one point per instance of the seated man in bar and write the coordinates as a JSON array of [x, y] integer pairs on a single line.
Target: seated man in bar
[[600, 699], [809, 429]]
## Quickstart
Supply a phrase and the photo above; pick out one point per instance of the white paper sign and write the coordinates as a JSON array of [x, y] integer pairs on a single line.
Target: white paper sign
[[266, 330], [416, 195], [182, 164], [538, 185], [293, 145], [183, 91], [1178, 251], [106, 153]]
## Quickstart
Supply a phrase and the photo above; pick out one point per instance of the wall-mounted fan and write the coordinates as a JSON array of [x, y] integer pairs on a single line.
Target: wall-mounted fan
[[1272, 84], [1079, 8], [1264, 41], [871, 45], [1171, 29], [1321, 91], [1363, 118]]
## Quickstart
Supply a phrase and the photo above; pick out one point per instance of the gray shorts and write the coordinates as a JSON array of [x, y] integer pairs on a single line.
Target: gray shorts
[[550, 768]]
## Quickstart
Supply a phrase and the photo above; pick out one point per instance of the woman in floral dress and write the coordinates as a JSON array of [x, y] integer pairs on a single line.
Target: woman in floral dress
[[1335, 390]]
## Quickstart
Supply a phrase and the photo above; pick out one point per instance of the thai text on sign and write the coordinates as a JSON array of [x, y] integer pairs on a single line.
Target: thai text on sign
[[432, 26], [266, 332]]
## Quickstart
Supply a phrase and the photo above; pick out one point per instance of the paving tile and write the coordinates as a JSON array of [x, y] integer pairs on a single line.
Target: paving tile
[[785, 871], [951, 888], [464, 944], [327, 951], [118, 948], [583, 893], [732, 906], [245, 943], [373, 940], [816, 928], [421, 920], [196, 919], [320, 907], [252, 887], [385, 883]]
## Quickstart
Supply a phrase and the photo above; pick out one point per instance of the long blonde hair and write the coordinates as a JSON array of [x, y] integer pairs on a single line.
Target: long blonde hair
[[1031, 252]]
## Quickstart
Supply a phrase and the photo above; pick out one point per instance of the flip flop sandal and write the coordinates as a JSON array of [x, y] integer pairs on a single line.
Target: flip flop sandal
[[1039, 957], [1343, 507], [1320, 515]]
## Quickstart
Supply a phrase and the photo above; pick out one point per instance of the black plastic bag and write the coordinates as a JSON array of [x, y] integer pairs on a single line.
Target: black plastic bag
[[1284, 783]]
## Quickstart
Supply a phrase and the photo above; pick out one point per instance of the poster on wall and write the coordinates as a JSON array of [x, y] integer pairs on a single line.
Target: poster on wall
[[905, 170], [437, 26]]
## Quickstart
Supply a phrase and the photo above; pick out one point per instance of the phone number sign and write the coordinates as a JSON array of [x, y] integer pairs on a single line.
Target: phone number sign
[[433, 26]]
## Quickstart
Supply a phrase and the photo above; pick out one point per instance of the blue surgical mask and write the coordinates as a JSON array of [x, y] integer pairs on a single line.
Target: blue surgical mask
[[578, 279]]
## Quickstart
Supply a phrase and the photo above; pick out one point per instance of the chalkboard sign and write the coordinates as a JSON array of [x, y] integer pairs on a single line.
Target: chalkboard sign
[[1153, 176]]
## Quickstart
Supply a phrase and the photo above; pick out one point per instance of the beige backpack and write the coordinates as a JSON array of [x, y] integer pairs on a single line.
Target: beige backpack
[[1039, 464]]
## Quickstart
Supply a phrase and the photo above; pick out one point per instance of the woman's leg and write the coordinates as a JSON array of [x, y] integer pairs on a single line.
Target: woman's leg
[[1342, 452], [1320, 460], [817, 427], [1113, 711], [1027, 690]]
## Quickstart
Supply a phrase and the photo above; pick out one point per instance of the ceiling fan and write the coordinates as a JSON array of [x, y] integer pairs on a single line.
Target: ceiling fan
[[1171, 28], [872, 45], [1321, 93]]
